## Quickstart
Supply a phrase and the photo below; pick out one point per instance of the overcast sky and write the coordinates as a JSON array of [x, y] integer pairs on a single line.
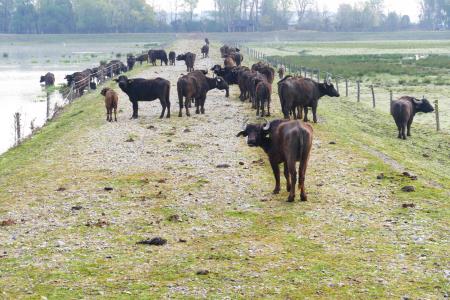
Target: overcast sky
[[407, 7]]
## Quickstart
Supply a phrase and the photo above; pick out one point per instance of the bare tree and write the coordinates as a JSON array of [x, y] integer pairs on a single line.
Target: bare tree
[[191, 5], [302, 6]]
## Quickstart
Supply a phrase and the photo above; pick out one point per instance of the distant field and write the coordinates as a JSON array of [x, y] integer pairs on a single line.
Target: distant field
[[387, 64]]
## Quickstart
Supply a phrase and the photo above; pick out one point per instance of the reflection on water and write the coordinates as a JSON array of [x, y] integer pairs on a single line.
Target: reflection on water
[[22, 92]]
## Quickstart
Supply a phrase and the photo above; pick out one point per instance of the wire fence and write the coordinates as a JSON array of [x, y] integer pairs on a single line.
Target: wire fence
[[70, 93], [380, 96]]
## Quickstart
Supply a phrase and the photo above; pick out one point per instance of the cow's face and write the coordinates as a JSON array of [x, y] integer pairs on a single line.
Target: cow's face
[[424, 106], [123, 81], [181, 57], [221, 84], [329, 90], [42, 79], [255, 134], [216, 69]]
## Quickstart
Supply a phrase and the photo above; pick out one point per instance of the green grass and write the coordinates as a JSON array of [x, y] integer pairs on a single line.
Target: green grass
[[359, 66]]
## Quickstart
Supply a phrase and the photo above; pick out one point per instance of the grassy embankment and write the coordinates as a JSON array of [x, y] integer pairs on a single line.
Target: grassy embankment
[[352, 239]]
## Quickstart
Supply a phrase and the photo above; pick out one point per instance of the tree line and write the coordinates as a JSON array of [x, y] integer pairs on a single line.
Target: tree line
[[75, 16], [103, 16]]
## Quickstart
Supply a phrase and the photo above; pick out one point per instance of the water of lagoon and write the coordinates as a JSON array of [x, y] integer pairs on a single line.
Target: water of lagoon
[[24, 58]]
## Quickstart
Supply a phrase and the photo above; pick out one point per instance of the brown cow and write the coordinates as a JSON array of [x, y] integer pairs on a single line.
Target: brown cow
[[304, 92], [263, 96], [284, 142], [48, 79], [229, 62], [205, 51], [403, 111], [172, 58], [111, 103], [195, 86], [189, 59]]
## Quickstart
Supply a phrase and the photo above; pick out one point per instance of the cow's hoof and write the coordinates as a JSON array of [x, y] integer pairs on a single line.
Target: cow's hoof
[[303, 197], [168, 117], [288, 188], [276, 191], [180, 115], [291, 199]]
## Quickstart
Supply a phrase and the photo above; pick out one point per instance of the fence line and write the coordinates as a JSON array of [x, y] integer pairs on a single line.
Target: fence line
[[310, 72], [72, 94]]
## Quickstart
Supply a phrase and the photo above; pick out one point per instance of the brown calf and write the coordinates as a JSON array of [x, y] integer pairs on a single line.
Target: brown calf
[[111, 102]]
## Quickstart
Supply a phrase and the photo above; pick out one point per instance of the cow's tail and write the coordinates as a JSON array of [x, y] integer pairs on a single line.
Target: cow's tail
[[283, 103]]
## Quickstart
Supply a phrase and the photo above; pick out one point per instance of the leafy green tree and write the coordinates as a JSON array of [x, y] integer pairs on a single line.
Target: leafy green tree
[[6, 10], [56, 16], [191, 5], [92, 16], [24, 17]]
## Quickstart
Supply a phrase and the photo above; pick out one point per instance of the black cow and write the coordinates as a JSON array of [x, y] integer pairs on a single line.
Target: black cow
[[284, 142], [263, 97], [404, 109], [172, 57], [304, 92], [154, 55], [131, 60], [205, 51], [139, 89], [48, 79], [141, 58], [195, 86], [189, 59]]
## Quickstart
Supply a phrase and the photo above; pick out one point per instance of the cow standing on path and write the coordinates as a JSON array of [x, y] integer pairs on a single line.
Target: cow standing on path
[[189, 59], [139, 89], [284, 142], [304, 92], [195, 86]]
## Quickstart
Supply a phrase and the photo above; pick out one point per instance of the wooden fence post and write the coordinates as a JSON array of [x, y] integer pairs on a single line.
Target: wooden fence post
[[358, 87], [373, 96], [346, 87], [17, 128], [48, 105], [436, 109]]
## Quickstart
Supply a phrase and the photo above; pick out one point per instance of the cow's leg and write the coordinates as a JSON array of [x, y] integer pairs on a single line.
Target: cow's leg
[[293, 173], [197, 106], [187, 104], [107, 115], [180, 103], [288, 179], [404, 131], [314, 112], [409, 126], [168, 106], [268, 107], [276, 173], [305, 109], [115, 114], [302, 173], [163, 104], [257, 107], [135, 110], [202, 103], [300, 112]]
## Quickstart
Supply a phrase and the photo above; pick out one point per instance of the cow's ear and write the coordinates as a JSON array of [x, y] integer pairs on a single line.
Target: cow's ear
[[242, 133], [130, 81]]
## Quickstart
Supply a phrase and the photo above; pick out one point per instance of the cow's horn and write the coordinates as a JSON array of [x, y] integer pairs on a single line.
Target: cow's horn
[[267, 125], [244, 124]]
